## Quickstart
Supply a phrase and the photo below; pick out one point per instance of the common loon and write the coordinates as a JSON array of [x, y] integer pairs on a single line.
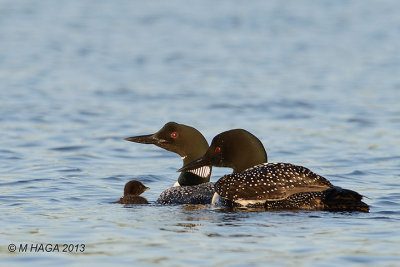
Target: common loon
[[193, 186], [273, 186], [132, 190]]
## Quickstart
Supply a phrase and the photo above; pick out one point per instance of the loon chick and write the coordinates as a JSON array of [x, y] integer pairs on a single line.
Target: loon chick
[[190, 144], [273, 186], [132, 190]]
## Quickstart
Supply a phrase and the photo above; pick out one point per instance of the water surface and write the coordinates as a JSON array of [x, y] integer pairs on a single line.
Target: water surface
[[316, 81]]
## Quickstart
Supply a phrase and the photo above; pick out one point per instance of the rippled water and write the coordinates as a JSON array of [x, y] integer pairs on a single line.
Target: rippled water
[[317, 81]]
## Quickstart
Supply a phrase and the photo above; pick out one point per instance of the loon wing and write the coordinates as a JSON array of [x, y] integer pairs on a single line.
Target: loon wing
[[270, 181]]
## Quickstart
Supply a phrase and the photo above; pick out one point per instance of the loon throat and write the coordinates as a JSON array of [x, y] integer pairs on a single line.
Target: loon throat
[[202, 171]]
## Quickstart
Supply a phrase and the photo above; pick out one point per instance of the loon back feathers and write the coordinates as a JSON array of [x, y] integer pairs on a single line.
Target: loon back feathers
[[270, 181], [283, 186], [194, 194], [340, 199]]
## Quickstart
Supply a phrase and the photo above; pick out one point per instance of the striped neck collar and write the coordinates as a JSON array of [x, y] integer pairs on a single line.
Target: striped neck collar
[[202, 171]]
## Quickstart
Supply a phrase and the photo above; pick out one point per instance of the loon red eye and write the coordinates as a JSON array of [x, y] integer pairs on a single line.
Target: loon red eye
[[174, 134], [217, 149]]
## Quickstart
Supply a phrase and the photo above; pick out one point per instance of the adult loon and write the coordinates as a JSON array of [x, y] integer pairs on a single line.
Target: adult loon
[[132, 190], [273, 186], [193, 186]]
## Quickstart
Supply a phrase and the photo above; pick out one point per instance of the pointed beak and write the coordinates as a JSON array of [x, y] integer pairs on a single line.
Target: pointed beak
[[146, 139], [147, 188], [197, 163]]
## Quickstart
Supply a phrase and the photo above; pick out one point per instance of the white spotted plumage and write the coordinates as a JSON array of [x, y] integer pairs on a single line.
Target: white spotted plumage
[[194, 194], [269, 182]]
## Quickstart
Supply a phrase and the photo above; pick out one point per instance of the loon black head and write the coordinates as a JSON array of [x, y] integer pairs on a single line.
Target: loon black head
[[135, 188], [237, 149], [184, 140]]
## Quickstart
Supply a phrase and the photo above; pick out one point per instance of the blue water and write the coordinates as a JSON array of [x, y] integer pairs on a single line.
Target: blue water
[[317, 81]]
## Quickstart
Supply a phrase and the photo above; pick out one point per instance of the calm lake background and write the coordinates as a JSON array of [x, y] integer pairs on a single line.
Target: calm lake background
[[317, 81]]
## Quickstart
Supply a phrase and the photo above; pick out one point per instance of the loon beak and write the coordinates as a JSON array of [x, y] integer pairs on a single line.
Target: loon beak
[[147, 188], [146, 139], [197, 163]]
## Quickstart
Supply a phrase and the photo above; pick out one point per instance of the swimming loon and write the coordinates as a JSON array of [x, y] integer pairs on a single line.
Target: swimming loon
[[273, 186], [132, 190], [193, 186]]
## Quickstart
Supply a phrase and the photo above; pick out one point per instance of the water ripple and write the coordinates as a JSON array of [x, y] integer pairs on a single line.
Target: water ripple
[[312, 79], [69, 148]]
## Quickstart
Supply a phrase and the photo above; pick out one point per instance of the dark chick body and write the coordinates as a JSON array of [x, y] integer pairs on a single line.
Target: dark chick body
[[132, 190]]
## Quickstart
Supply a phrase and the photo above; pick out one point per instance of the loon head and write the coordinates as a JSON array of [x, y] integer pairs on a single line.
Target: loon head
[[135, 188], [237, 149], [184, 140]]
